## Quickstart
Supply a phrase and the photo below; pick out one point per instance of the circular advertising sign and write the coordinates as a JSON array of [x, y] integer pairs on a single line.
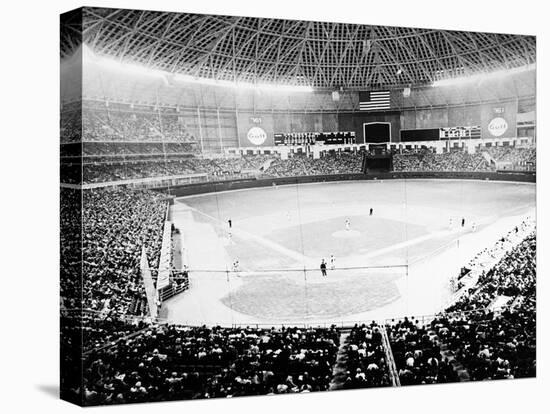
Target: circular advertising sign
[[256, 135], [498, 126]]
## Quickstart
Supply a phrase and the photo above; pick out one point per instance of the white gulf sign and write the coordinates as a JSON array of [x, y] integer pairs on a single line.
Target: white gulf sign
[[256, 135], [498, 126]]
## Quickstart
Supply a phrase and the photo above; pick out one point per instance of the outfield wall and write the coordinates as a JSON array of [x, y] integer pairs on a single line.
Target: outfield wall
[[203, 188]]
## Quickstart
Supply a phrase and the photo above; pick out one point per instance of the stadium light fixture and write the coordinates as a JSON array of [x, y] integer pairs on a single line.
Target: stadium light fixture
[[204, 81], [462, 80], [274, 87], [243, 85], [119, 66]]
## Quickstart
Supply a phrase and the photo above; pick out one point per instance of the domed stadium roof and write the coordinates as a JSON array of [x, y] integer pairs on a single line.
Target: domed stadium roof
[[319, 54]]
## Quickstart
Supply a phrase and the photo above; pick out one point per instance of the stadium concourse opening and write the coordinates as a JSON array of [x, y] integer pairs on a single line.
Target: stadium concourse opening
[[255, 206]]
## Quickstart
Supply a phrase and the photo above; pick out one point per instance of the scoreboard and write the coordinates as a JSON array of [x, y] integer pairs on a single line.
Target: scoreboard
[[311, 138], [445, 133], [460, 132]]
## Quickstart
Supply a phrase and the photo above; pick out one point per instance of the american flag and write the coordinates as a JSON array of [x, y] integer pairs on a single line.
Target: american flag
[[374, 100]]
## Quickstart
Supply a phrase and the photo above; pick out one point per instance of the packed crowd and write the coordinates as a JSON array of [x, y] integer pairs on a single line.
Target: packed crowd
[[123, 122], [159, 362], [220, 168], [448, 161], [71, 122], [417, 354], [164, 165], [129, 150], [103, 329], [100, 172], [213, 168], [488, 343], [366, 360], [493, 345], [298, 165], [116, 223], [71, 249], [128, 360], [487, 258], [173, 362], [99, 329], [515, 156], [513, 275]]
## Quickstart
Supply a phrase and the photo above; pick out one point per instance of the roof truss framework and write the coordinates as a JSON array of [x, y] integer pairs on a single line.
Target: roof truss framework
[[319, 54]]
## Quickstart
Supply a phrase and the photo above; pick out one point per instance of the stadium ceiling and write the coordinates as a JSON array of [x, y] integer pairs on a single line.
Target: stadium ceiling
[[319, 54]]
